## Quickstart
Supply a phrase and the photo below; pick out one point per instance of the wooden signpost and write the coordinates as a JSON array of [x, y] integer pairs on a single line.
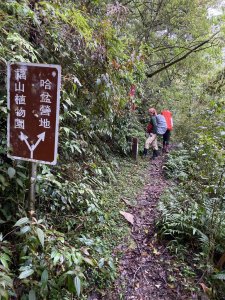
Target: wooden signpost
[[33, 120], [134, 148]]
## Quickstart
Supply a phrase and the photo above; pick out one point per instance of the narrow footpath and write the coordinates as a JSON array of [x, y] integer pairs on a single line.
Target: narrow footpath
[[147, 270]]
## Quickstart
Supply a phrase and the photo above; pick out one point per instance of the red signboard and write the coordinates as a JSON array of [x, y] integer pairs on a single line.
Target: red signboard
[[33, 103]]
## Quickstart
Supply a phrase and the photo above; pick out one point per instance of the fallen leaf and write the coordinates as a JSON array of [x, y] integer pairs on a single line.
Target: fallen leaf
[[155, 251], [205, 288], [171, 286], [129, 217]]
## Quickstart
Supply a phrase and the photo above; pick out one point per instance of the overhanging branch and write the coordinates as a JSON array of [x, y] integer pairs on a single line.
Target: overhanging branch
[[194, 49]]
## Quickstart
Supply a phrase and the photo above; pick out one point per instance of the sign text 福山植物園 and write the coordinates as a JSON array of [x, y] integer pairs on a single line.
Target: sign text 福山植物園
[[33, 103]]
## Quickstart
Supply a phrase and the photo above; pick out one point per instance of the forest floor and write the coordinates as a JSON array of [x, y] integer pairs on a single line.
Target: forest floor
[[147, 270]]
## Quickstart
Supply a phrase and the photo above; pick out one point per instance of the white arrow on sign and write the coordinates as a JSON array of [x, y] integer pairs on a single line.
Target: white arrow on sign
[[41, 137], [23, 137]]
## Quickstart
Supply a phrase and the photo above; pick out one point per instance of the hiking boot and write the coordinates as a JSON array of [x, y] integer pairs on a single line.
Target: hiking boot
[[145, 152], [155, 154], [167, 148]]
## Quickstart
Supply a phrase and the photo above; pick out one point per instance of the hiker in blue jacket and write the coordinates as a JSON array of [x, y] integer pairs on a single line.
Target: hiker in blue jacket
[[152, 138]]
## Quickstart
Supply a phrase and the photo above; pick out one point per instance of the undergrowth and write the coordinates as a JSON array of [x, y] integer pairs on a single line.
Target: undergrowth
[[65, 249], [191, 217]]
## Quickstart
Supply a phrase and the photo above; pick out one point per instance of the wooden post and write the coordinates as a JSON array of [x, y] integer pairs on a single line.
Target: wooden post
[[33, 178], [135, 148]]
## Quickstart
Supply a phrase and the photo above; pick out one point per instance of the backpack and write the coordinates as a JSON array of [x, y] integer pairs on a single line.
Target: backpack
[[149, 128], [168, 116], [161, 124]]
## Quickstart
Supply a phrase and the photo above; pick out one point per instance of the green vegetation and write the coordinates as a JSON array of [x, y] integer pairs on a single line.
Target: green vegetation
[[192, 212], [69, 249], [171, 51]]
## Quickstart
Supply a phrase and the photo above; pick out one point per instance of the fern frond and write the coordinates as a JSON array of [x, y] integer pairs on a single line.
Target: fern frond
[[220, 276]]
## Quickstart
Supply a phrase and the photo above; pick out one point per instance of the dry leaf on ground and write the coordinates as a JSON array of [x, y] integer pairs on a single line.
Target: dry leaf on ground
[[129, 217]]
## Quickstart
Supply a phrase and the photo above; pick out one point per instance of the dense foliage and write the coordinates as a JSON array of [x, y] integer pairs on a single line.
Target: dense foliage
[[170, 51], [193, 210], [64, 247]]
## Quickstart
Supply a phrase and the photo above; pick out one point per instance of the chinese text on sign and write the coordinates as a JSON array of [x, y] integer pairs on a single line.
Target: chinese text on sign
[[33, 103]]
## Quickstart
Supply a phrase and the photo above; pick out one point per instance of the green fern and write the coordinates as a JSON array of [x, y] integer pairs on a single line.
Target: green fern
[[220, 276]]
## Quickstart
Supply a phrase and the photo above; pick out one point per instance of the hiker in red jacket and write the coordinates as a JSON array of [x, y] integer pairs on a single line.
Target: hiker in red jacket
[[166, 137]]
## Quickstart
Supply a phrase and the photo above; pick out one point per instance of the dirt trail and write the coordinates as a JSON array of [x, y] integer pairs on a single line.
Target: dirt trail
[[147, 270]]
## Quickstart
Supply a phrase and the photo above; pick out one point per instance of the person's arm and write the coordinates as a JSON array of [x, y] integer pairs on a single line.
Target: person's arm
[[154, 123]]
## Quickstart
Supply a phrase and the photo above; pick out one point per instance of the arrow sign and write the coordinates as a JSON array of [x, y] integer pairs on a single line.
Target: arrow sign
[[23, 137], [33, 104], [41, 137]]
